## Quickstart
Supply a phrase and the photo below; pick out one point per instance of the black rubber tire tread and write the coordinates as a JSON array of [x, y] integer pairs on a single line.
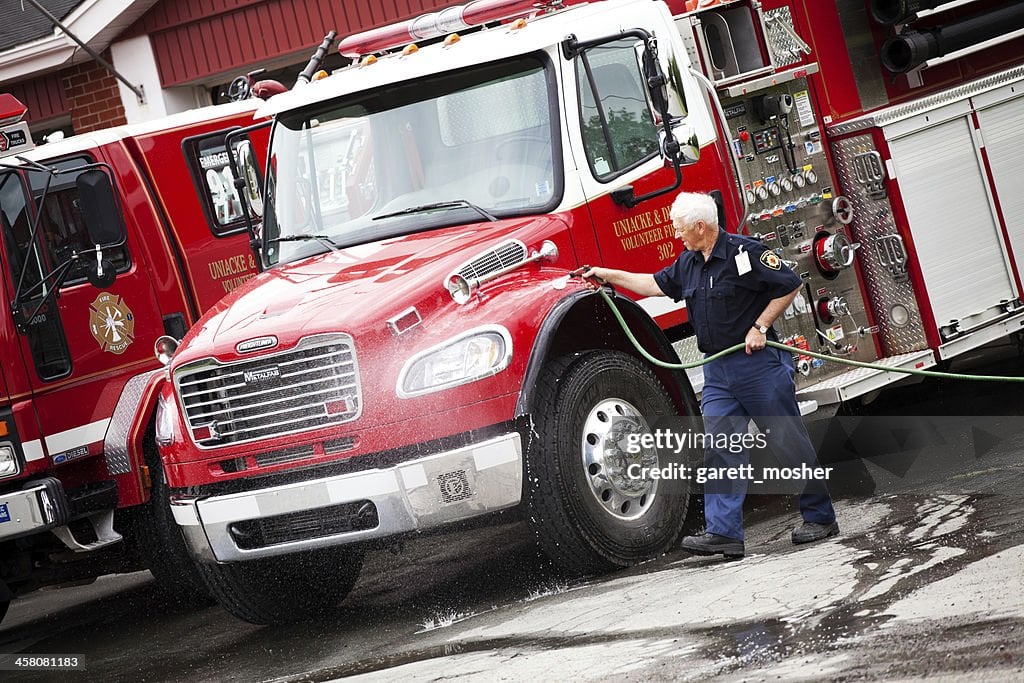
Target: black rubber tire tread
[[163, 546], [3, 609], [285, 589], [570, 527]]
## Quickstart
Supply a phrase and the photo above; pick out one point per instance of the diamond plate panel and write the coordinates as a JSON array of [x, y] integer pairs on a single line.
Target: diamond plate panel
[[115, 443], [785, 50], [874, 228]]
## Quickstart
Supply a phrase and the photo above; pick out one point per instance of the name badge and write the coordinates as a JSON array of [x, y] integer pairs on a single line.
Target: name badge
[[743, 263]]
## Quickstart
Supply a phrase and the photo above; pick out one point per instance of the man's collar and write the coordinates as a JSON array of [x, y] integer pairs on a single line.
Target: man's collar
[[719, 250]]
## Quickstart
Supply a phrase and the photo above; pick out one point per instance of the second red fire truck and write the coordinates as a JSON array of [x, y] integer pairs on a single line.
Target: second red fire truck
[[416, 353], [108, 241]]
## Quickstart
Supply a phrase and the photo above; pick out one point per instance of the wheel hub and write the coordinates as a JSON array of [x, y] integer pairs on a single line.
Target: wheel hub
[[608, 460]]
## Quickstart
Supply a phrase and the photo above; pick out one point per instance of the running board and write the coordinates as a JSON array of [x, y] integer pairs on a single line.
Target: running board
[[860, 381]]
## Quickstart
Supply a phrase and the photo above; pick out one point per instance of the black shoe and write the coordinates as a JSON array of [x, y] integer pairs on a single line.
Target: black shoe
[[812, 531], [713, 544]]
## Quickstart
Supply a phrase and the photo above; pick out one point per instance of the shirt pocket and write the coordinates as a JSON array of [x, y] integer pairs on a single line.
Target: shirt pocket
[[722, 302]]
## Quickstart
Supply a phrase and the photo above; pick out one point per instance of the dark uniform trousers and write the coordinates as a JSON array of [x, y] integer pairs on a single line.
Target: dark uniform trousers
[[738, 388], [724, 295]]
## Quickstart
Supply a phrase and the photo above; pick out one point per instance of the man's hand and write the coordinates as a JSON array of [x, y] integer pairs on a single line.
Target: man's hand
[[755, 341], [598, 273]]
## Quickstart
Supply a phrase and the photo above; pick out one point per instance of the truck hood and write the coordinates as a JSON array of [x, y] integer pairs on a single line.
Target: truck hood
[[358, 288]]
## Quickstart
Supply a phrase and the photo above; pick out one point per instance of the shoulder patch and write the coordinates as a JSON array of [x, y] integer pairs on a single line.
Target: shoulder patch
[[769, 259]]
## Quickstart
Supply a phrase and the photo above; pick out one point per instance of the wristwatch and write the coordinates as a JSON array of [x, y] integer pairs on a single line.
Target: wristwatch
[[760, 328]]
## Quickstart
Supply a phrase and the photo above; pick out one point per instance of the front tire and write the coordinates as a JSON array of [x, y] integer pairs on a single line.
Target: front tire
[[163, 545], [587, 514], [284, 589]]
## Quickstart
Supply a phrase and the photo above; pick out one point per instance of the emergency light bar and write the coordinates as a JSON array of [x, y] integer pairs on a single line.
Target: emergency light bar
[[14, 133], [11, 110], [436, 24]]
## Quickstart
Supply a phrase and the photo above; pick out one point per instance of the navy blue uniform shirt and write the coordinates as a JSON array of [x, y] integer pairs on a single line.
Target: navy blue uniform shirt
[[723, 303]]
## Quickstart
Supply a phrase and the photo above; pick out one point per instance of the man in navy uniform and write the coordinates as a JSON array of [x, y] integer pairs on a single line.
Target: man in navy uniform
[[734, 290]]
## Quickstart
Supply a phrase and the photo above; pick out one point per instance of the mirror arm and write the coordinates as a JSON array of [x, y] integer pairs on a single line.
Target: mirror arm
[[255, 243], [624, 196], [33, 235], [59, 274]]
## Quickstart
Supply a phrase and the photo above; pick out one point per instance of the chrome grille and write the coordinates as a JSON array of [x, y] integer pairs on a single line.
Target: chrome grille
[[314, 385], [506, 254]]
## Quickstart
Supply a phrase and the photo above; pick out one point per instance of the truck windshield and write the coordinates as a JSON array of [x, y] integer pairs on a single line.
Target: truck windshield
[[478, 142]]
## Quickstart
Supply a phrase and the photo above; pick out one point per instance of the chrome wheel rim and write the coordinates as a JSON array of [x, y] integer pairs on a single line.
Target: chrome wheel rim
[[607, 462]]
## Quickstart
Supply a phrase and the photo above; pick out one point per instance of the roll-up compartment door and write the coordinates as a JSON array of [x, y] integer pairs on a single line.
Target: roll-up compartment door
[[953, 227], [1004, 139]]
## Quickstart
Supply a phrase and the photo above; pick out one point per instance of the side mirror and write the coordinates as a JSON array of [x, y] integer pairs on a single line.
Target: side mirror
[[249, 168], [682, 148], [100, 209], [657, 86]]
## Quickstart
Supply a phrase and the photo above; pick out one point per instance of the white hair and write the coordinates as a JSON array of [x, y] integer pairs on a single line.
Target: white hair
[[690, 207]]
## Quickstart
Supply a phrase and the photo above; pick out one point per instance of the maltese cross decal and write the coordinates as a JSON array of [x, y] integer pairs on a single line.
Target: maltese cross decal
[[111, 323]]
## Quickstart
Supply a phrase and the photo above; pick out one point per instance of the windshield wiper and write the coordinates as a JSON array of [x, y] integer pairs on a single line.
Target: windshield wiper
[[438, 206], [322, 239]]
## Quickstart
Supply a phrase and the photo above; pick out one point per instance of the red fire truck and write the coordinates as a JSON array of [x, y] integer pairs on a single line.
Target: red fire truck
[[416, 353], [109, 241]]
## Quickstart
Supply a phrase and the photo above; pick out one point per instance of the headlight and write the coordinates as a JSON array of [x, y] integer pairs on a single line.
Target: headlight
[[166, 421], [473, 355], [8, 461]]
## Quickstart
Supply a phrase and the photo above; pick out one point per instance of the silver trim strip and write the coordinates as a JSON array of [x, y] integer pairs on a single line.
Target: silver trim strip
[[884, 117]]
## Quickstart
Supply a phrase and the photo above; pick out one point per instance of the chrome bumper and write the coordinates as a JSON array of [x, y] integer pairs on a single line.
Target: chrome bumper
[[419, 494], [32, 510]]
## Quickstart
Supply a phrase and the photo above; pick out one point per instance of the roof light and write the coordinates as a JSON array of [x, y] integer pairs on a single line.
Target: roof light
[[11, 110], [451, 40], [409, 49], [368, 60], [435, 24]]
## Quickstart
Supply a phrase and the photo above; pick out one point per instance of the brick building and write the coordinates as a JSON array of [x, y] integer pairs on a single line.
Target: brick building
[[180, 53]]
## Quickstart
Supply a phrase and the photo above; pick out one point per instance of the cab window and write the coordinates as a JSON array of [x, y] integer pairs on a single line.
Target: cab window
[[207, 157], [618, 127], [62, 226]]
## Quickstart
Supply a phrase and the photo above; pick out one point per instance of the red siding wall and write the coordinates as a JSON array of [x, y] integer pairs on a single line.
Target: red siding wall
[[43, 95], [196, 39]]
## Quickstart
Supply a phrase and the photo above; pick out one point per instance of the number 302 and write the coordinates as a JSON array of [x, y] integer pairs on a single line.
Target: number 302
[[666, 251]]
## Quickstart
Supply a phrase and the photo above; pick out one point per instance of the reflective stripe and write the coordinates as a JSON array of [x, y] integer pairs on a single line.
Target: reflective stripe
[[33, 450], [77, 436]]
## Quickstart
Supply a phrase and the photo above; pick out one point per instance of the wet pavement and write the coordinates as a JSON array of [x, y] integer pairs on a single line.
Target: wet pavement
[[924, 582]]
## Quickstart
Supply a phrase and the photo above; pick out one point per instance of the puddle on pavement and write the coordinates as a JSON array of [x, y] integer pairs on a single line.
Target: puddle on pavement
[[922, 540]]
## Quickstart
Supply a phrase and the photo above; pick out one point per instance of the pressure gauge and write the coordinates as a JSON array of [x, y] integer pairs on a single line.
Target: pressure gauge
[[751, 197], [787, 185], [775, 189], [799, 181], [762, 192], [812, 177]]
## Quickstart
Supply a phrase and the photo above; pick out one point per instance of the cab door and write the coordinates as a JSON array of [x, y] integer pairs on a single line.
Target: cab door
[[80, 343], [611, 119]]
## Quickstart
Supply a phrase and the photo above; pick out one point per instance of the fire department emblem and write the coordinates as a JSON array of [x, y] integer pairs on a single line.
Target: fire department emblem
[[771, 260], [112, 323]]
